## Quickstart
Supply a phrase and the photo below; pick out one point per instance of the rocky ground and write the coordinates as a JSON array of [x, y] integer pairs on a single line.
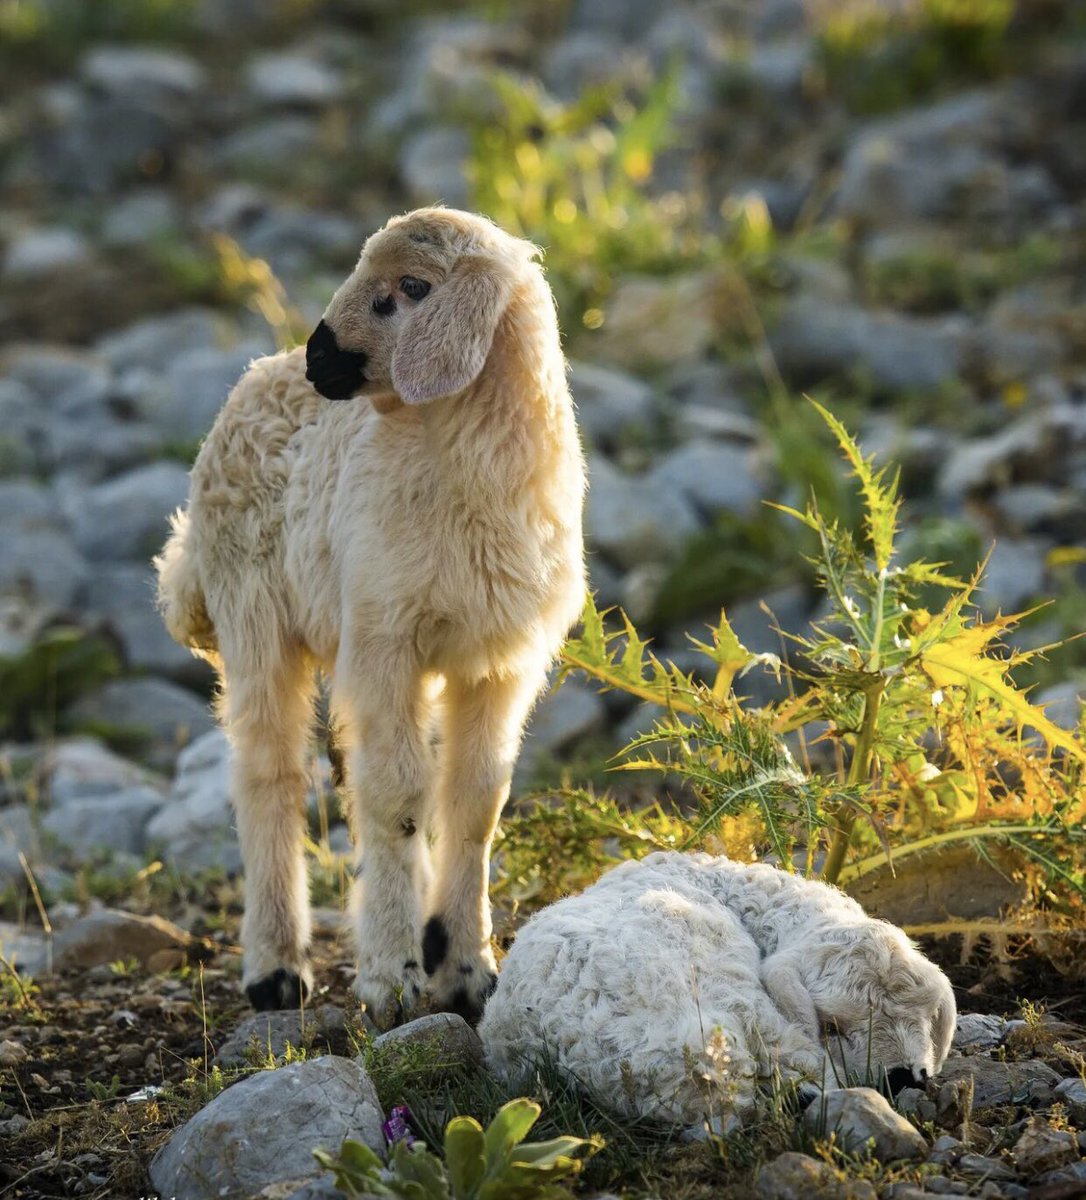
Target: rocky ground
[[908, 249]]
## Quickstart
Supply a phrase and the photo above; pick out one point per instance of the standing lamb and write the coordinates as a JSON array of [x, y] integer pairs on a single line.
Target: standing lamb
[[421, 544], [672, 984]]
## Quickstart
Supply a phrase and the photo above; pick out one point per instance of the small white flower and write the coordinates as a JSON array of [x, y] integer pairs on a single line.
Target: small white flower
[[937, 697]]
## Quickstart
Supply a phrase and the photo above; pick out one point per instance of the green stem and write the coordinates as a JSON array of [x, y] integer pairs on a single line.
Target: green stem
[[858, 773]]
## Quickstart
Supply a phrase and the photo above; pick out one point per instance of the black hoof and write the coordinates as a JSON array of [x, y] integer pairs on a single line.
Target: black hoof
[[470, 1005], [280, 989]]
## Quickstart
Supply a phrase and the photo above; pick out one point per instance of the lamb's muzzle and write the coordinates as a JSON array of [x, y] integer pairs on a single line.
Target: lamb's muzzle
[[337, 374]]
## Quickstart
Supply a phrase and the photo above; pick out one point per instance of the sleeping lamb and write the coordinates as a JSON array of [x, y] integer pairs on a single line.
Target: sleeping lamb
[[673, 984]]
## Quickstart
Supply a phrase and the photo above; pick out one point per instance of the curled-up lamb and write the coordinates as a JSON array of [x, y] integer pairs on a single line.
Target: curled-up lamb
[[672, 985]]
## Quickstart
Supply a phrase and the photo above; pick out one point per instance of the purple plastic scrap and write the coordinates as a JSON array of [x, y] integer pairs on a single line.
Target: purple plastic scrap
[[398, 1126]]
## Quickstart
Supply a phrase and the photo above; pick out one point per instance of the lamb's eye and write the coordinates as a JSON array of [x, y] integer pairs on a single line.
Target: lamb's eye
[[384, 306], [414, 289]]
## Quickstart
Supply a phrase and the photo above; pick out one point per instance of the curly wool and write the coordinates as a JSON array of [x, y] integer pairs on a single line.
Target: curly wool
[[650, 988]]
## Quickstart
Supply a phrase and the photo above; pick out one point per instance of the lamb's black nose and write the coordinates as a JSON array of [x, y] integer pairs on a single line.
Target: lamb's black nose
[[898, 1078], [337, 374]]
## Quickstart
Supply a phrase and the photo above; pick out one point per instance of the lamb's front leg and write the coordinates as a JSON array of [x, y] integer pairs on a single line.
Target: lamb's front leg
[[483, 725], [391, 782]]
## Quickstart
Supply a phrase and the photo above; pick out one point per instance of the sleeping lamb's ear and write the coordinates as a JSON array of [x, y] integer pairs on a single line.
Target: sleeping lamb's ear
[[944, 1022], [445, 344]]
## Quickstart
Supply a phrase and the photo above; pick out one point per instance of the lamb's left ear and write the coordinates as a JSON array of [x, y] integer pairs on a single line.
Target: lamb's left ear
[[445, 344], [945, 1021]]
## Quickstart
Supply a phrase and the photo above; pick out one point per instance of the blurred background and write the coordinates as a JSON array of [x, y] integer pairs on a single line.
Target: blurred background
[[878, 204]]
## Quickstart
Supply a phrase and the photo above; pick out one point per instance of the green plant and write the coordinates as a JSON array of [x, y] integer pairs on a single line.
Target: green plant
[[60, 664], [921, 704], [491, 1164], [573, 178], [879, 56]]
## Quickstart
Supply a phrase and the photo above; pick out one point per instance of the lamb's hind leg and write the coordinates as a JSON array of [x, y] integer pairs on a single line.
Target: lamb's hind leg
[[267, 713], [383, 699], [483, 723]]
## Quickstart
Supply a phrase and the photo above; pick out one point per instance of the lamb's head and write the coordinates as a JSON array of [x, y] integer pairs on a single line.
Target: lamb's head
[[417, 317], [883, 1005]]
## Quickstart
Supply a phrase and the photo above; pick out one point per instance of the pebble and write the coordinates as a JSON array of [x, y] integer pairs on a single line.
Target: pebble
[[1042, 1148]]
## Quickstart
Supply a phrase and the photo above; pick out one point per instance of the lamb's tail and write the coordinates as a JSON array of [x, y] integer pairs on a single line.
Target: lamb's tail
[[180, 593]]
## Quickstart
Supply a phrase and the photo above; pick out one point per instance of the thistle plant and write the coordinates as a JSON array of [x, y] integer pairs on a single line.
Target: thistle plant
[[491, 1164], [937, 744]]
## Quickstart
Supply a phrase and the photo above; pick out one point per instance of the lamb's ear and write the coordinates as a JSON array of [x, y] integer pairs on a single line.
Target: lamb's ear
[[445, 344], [944, 1022], [784, 986]]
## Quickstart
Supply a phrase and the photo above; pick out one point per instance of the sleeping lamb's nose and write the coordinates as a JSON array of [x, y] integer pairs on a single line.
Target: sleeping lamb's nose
[[920, 1074]]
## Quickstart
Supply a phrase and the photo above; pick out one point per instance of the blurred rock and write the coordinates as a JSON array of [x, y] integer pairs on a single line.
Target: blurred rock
[[162, 715], [610, 404], [230, 1148], [292, 81], [898, 354], [126, 518], [631, 520], [860, 1116], [793, 1176], [196, 828], [976, 1031], [141, 72], [1062, 702], [45, 252], [156, 341], [116, 822], [123, 595], [714, 477], [198, 386], [109, 935], [82, 768], [1014, 577], [561, 717], [432, 163], [140, 217]]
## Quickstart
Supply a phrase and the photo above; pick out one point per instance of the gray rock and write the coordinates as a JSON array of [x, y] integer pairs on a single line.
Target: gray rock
[[585, 58], [922, 164], [913, 1102], [572, 711], [271, 1032], [196, 829], [1042, 1148], [155, 342], [42, 563], [117, 821], [45, 252], [136, 71], [978, 1031], [814, 338], [292, 80], [83, 769], [109, 935], [631, 521], [141, 217], [432, 166], [1073, 1174], [610, 403], [779, 68], [166, 716], [1072, 1094], [946, 1149], [713, 476], [231, 1149], [123, 595], [1025, 506], [22, 429], [64, 380], [996, 1083], [861, 1116], [984, 1167], [198, 386], [24, 948], [126, 518], [794, 1176], [449, 1041], [268, 147]]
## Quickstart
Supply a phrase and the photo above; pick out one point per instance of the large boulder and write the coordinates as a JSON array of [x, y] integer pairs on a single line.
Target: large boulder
[[264, 1129], [863, 1121]]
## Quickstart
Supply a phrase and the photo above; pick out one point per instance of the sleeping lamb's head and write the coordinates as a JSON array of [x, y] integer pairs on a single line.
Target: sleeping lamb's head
[[417, 318], [883, 1005]]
